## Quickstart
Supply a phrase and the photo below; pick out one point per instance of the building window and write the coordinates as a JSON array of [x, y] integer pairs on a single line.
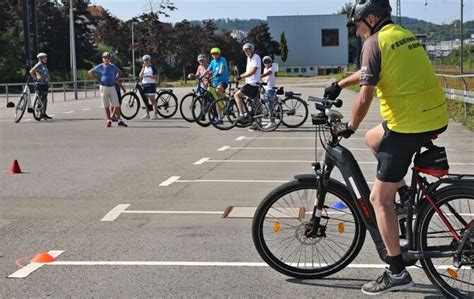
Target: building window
[[311, 68], [296, 70], [303, 70], [288, 70], [330, 37]]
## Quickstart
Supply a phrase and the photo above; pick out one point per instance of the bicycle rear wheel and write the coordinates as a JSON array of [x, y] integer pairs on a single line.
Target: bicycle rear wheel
[[295, 112], [130, 105], [223, 114], [269, 115], [185, 107], [39, 108], [167, 103], [280, 222], [200, 109], [20, 108], [457, 205]]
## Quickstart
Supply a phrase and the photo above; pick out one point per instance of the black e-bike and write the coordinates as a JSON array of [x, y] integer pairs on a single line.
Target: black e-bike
[[314, 226]]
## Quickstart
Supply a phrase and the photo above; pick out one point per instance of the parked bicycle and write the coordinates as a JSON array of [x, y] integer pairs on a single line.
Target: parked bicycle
[[314, 226], [39, 103], [166, 102], [295, 109], [186, 103]]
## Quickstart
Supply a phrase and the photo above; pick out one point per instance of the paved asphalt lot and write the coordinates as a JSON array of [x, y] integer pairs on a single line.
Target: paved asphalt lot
[[77, 173]]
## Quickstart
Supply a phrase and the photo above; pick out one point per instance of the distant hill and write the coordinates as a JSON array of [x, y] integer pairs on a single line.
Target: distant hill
[[433, 31]]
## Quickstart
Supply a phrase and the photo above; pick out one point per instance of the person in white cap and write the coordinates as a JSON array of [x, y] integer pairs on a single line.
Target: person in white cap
[[40, 73]]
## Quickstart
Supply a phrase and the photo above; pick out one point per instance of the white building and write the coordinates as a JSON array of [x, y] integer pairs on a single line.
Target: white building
[[317, 44]]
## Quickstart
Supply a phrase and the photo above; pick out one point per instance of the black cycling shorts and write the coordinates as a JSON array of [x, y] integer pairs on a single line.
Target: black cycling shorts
[[396, 151], [249, 90], [42, 87], [149, 88]]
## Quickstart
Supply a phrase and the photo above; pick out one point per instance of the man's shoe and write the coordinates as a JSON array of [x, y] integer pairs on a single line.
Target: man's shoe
[[108, 124], [243, 119], [217, 121], [155, 116], [122, 124], [253, 127], [31, 110], [47, 117], [388, 282]]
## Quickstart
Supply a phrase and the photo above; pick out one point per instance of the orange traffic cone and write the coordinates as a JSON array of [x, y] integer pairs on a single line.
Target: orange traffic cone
[[43, 257], [15, 167]]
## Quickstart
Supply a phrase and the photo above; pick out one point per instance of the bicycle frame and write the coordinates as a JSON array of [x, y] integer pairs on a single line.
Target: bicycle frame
[[340, 157]]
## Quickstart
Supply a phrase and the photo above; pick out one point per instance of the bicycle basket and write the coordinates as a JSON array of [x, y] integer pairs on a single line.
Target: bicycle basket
[[433, 161]]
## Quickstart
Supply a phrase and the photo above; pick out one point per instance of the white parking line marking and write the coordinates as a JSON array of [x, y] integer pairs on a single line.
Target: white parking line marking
[[86, 109], [312, 138], [28, 119], [174, 212], [240, 138], [294, 161], [169, 181], [224, 148], [31, 267], [201, 161], [69, 112], [115, 212]]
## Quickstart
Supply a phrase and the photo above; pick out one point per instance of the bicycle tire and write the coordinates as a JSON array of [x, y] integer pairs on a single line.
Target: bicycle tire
[[226, 117], [295, 112], [200, 110], [247, 104], [308, 189], [185, 107], [20, 108], [39, 108], [431, 267], [167, 103], [270, 117], [130, 105]]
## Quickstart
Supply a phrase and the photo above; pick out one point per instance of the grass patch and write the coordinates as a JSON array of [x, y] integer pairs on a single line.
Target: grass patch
[[456, 112]]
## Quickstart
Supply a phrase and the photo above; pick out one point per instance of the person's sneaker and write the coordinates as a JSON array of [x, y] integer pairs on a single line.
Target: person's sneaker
[[154, 116], [243, 119], [108, 124], [145, 116], [114, 119], [270, 125], [217, 121], [122, 124], [47, 117], [31, 110], [253, 127], [388, 282]]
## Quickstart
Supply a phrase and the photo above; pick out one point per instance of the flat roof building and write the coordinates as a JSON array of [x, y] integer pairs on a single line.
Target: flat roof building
[[317, 44]]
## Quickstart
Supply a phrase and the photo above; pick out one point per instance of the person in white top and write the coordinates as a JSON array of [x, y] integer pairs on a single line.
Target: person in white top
[[149, 76], [268, 76], [252, 78]]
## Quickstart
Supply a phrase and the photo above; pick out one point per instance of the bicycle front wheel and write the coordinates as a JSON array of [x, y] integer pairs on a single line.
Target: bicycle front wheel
[[20, 108], [295, 112], [457, 206], [39, 108], [283, 217], [200, 109], [269, 115], [185, 107], [167, 103], [223, 114], [130, 105]]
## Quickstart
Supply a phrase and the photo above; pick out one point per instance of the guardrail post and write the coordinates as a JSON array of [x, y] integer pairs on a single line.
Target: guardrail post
[[64, 91], [85, 87], [95, 89], [6, 91], [465, 95]]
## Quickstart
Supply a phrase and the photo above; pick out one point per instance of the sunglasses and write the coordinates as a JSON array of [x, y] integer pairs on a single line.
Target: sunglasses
[[106, 57]]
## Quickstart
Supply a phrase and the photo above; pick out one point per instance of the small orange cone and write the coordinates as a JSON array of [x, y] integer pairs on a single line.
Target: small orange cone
[[43, 257], [15, 167]]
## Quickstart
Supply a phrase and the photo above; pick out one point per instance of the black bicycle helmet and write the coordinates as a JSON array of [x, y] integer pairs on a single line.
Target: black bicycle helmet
[[363, 8]]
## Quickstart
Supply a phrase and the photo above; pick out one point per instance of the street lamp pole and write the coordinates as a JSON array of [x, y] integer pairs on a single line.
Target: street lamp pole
[[72, 41], [133, 51], [461, 37]]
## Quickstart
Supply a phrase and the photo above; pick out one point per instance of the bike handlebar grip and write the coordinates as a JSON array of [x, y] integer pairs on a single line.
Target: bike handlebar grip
[[338, 103]]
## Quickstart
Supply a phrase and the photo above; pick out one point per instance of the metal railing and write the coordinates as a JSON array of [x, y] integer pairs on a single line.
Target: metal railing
[[465, 95], [57, 90]]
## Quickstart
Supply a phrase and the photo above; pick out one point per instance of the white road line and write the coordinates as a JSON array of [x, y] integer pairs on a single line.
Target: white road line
[[69, 112], [31, 267], [298, 161], [28, 119], [174, 212], [86, 109], [312, 138], [115, 212], [169, 181], [201, 161], [206, 264], [230, 181], [224, 148], [240, 138]]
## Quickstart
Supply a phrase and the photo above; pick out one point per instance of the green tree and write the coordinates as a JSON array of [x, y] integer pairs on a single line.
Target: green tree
[[12, 53], [283, 47], [261, 38]]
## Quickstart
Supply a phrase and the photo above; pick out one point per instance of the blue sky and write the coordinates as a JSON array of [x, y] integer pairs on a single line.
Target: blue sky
[[436, 11]]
